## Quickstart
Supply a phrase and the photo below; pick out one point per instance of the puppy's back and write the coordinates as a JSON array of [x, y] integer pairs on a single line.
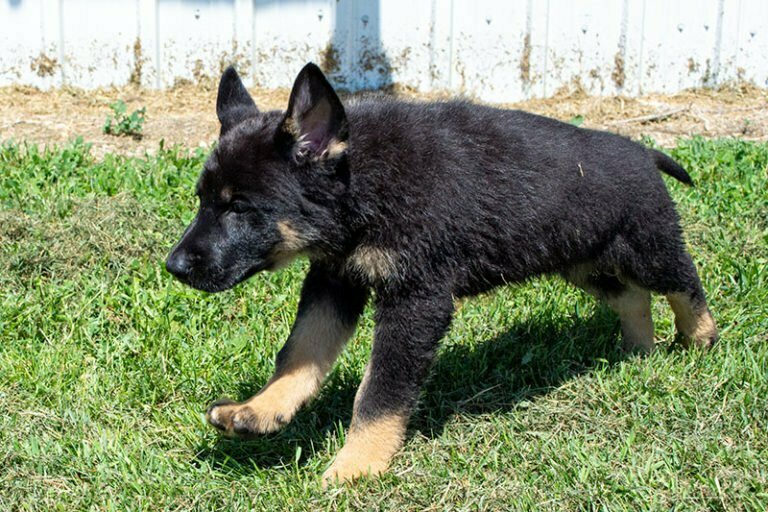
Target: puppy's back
[[496, 191]]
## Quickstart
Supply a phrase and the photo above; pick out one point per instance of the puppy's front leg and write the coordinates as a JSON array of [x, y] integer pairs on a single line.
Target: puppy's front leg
[[328, 312], [408, 329]]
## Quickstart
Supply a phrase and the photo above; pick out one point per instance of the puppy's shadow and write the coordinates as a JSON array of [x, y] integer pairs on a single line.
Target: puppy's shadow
[[493, 375], [530, 359]]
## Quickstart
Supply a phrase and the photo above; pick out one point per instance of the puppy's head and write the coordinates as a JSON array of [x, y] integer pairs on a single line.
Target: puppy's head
[[271, 189]]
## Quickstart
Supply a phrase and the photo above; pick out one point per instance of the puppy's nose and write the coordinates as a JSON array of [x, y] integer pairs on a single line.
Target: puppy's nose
[[179, 263]]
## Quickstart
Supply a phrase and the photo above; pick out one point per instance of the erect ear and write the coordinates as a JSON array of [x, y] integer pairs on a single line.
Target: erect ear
[[233, 103], [315, 119]]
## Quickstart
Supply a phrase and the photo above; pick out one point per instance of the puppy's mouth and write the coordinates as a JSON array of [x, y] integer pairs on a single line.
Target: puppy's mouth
[[221, 280]]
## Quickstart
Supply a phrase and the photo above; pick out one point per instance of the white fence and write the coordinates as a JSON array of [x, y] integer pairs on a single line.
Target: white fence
[[495, 50]]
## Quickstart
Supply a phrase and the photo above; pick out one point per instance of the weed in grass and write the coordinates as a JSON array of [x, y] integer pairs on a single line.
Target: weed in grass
[[122, 123], [107, 364]]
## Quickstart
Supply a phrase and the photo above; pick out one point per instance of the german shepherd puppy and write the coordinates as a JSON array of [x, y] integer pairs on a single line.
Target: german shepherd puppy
[[421, 203]]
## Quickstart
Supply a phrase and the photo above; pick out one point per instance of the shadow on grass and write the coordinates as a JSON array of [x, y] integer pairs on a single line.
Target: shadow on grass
[[530, 359], [493, 375]]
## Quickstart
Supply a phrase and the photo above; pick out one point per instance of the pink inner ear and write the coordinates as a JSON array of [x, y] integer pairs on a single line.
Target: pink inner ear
[[317, 136], [315, 126]]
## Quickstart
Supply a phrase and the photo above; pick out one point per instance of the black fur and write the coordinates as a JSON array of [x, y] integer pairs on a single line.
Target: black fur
[[233, 103], [452, 199]]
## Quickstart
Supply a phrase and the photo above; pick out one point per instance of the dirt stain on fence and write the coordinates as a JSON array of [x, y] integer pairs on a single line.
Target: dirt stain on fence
[[329, 59], [44, 65], [138, 64], [525, 60], [619, 75]]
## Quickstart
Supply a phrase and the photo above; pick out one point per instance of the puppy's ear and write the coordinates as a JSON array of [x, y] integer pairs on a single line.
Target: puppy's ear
[[315, 124], [233, 103]]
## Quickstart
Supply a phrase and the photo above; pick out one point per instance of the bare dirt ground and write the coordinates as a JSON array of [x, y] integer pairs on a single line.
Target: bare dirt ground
[[186, 115]]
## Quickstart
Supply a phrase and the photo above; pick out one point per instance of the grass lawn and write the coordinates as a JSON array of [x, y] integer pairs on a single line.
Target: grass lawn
[[107, 365]]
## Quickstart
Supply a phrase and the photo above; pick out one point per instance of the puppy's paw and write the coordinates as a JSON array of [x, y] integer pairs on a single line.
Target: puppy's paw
[[704, 341], [369, 448], [349, 467], [701, 332], [246, 419], [637, 347]]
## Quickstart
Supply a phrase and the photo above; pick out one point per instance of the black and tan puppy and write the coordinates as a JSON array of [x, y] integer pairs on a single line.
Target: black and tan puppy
[[421, 203]]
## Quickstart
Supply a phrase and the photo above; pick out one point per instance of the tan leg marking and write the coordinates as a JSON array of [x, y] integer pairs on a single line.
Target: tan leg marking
[[633, 307], [373, 263], [693, 321], [316, 339], [369, 449], [634, 310], [370, 445]]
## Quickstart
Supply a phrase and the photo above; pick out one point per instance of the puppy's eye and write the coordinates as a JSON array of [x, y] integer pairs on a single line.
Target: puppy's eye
[[239, 206]]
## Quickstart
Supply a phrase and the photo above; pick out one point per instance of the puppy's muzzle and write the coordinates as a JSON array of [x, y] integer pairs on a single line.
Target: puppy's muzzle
[[180, 263]]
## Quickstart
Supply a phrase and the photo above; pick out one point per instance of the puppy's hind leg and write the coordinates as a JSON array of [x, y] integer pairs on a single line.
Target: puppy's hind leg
[[633, 306], [693, 319], [631, 302], [675, 276]]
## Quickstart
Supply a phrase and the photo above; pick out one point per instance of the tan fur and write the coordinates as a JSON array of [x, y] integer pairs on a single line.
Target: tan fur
[[335, 148], [292, 240], [226, 194], [373, 263], [370, 445], [290, 126], [315, 341], [290, 246], [579, 276], [369, 449], [634, 310], [633, 307], [693, 321]]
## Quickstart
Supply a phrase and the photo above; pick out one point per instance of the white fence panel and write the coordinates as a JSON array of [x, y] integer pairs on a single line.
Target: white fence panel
[[495, 50]]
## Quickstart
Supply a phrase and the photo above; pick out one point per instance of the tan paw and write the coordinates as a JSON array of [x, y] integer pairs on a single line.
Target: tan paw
[[639, 347], [369, 449], [246, 419], [704, 342], [694, 322], [348, 467], [702, 334]]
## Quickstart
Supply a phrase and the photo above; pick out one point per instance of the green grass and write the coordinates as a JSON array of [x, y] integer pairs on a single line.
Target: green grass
[[106, 365]]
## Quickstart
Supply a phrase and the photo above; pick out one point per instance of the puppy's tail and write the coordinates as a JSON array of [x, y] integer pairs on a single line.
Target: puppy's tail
[[669, 166]]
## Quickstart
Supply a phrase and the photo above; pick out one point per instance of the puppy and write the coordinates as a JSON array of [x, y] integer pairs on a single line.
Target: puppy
[[420, 203]]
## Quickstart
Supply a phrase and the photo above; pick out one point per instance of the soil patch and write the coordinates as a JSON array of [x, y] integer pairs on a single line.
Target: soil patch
[[186, 114]]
